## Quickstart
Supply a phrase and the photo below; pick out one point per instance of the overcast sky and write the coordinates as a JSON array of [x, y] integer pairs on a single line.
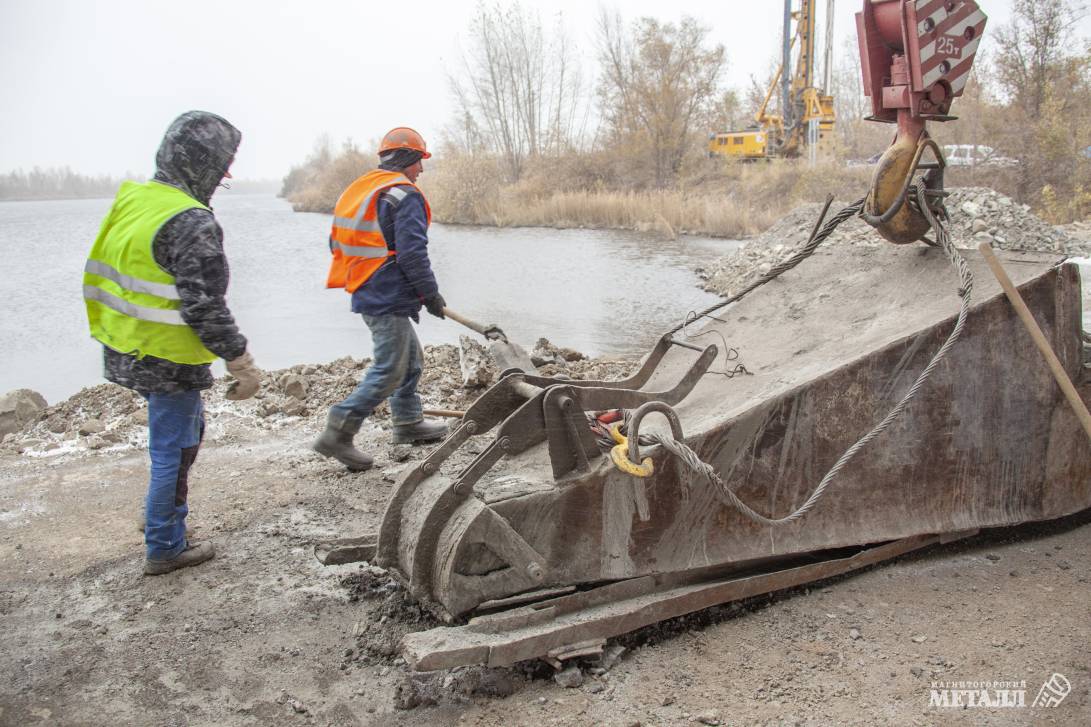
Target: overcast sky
[[93, 85]]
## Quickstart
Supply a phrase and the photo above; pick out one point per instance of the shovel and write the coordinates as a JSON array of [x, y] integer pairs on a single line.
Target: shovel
[[508, 356]]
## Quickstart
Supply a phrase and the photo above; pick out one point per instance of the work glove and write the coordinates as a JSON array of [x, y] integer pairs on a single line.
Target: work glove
[[435, 305], [247, 378]]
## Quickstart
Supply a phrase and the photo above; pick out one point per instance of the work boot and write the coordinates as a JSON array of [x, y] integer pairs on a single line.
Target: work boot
[[194, 554], [338, 444], [422, 432]]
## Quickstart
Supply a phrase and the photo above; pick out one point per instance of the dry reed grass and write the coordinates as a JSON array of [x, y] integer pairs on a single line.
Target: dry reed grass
[[731, 200], [711, 198]]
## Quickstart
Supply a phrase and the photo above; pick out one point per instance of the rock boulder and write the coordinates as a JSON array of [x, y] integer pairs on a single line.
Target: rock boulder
[[18, 408]]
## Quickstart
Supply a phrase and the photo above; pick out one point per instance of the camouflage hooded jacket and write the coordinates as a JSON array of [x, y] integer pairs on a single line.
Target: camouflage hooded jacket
[[196, 152]]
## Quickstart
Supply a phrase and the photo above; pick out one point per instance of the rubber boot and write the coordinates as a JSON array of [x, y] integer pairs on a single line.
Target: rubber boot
[[194, 554], [338, 444], [423, 432]]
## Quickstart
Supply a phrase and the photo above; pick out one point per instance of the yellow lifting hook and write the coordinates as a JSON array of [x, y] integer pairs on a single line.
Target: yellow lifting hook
[[620, 455]]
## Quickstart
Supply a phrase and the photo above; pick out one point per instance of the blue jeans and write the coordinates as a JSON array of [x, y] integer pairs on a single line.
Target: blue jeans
[[394, 373], [176, 424]]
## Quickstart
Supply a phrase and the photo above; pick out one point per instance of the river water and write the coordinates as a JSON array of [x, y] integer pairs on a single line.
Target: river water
[[598, 291]]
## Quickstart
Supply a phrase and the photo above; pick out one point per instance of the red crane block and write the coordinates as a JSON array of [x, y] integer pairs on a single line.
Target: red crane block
[[916, 55]]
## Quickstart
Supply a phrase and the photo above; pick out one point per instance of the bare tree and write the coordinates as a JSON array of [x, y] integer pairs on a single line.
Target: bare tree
[[727, 112], [1035, 49], [658, 82], [519, 92], [1045, 76]]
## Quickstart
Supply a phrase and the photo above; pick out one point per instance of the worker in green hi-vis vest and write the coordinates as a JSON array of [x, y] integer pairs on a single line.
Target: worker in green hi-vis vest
[[155, 285]]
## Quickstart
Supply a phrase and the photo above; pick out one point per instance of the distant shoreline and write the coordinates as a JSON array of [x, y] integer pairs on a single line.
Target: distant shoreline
[[272, 192], [54, 199]]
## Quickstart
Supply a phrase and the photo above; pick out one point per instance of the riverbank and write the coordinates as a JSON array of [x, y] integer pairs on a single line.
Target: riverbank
[[110, 418]]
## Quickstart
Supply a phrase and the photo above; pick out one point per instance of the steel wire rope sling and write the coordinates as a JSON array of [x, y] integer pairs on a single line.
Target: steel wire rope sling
[[813, 242], [691, 459]]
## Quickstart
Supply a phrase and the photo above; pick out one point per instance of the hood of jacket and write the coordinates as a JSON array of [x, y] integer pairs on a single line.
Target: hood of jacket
[[196, 151]]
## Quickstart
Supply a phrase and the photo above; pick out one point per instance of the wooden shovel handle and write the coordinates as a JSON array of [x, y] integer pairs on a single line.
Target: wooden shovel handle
[[459, 318], [1039, 338], [490, 332], [449, 413]]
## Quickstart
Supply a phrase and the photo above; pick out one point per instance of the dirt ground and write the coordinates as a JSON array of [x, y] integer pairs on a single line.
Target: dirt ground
[[266, 635]]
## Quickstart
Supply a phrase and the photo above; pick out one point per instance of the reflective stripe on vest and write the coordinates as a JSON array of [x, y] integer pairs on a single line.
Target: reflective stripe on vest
[[133, 305], [155, 315], [357, 251], [128, 282], [358, 223], [356, 240]]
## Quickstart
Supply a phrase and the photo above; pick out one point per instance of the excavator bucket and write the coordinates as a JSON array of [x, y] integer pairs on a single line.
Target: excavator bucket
[[543, 547]]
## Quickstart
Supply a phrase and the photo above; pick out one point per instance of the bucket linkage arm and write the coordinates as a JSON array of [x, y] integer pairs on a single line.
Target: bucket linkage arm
[[431, 518]]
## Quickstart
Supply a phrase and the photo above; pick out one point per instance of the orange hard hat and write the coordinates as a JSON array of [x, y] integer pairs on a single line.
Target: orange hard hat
[[404, 138]]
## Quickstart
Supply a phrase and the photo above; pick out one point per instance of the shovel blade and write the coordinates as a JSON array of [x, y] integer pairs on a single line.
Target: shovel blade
[[511, 356]]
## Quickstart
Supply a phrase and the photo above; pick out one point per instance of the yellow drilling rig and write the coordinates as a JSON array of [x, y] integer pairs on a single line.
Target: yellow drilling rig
[[805, 116]]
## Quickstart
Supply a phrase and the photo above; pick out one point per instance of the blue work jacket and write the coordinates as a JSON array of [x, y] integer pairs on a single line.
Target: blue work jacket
[[405, 280]]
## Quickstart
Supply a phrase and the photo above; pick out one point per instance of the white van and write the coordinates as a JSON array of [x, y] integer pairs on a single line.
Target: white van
[[972, 155]]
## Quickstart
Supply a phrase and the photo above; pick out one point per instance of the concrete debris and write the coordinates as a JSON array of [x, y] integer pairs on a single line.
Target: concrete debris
[[92, 426], [294, 385], [111, 416], [477, 368], [420, 689], [401, 452], [546, 353], [96, 442], [18, 408], [569, 678], [977, 214]]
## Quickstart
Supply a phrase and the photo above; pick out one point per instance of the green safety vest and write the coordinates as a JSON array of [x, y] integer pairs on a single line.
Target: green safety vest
[[132, 304]]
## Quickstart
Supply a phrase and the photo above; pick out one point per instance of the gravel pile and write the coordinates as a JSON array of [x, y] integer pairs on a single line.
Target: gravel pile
[[108, 416], [977, 214]]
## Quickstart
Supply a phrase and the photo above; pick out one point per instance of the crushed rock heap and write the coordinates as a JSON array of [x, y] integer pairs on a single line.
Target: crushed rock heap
[[977, 215], [108, 416]]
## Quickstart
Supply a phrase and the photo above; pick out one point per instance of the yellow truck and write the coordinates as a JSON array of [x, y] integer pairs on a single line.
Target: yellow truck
[[806, 115], [739, 144]]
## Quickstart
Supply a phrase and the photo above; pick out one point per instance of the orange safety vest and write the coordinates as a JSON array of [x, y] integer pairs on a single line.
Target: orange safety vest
[[357, 242]]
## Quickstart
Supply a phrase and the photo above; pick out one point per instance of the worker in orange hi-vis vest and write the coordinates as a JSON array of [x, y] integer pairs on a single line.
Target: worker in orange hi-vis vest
[[379, 244]]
